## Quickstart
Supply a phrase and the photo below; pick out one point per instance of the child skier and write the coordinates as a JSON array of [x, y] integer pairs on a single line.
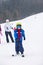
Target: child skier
[[19, 34], [0, 34]]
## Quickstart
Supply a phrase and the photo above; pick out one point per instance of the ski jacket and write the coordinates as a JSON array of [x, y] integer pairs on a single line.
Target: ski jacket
[[7, 27], [19, 34]]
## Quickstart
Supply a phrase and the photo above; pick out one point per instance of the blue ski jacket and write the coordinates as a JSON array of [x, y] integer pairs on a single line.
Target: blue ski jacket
[[22, 33]]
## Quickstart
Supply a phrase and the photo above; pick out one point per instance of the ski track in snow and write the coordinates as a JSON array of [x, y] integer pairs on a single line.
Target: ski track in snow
[[33, 45]]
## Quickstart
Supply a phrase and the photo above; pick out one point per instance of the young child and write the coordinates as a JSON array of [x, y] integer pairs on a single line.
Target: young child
[[0, 33], [19, 34]]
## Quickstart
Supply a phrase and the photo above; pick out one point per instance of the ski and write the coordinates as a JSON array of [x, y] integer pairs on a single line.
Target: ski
[[17, 55]]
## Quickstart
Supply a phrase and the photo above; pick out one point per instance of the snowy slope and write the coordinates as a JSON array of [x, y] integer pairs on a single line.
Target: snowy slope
[[33, 44]]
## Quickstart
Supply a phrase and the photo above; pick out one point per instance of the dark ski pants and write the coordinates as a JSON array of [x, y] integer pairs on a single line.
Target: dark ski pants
[[19, 46], [7, 39]]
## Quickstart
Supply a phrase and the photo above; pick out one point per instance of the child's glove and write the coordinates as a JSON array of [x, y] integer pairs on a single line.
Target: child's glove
[[24, 38]]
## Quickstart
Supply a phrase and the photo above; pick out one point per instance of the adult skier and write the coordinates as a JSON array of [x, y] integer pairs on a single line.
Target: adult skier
[[0, 33], [19, 34], [8, 28]]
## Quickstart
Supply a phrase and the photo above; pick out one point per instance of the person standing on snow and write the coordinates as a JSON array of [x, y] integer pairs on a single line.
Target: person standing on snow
[[8, 31], [0, 33], [18, 35]]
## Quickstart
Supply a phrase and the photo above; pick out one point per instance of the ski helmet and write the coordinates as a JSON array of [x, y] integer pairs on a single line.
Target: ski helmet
[[18, 25]]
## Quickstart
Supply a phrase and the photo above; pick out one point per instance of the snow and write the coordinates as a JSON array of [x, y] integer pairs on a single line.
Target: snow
[[33, 45]]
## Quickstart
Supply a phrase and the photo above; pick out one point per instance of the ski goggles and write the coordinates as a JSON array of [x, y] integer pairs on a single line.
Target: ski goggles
[[19, 27]]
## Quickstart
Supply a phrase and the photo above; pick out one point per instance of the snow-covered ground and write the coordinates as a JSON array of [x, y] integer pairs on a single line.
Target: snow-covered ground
[[33, 45]]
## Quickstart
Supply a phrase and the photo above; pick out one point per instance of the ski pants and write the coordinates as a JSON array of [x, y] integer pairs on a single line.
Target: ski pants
[[19, 46], [8, 33]]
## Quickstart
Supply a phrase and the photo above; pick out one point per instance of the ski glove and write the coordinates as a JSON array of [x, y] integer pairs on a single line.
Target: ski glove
[[24, 38]]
